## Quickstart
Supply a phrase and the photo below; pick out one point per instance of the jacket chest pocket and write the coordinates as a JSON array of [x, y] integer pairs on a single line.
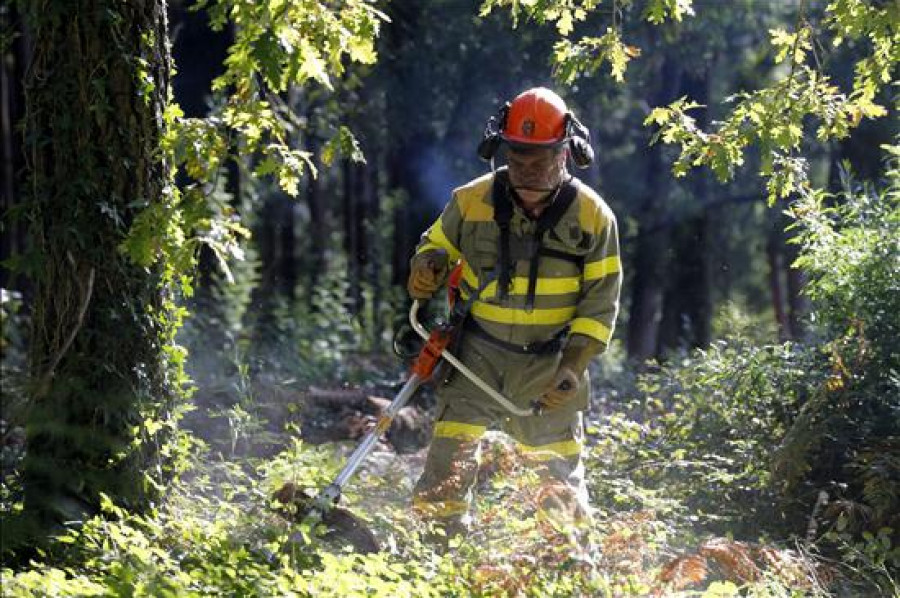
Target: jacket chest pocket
[[484, 252], [568, 250]]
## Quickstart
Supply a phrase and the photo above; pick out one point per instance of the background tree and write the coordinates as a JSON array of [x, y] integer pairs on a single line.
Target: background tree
[[114, 240], [14, 51], [104, 374]]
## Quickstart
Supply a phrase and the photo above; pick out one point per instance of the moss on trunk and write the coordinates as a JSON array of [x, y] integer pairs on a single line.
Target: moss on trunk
[[103, 385]]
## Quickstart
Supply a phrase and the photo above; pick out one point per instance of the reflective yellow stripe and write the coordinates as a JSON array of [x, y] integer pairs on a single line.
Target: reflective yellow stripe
[[469, 275], [438, 239], [595, 270], [545, 286], [427, 246], [546, 452], [509, 315], [591, 328], [458, 430], [440, 508]]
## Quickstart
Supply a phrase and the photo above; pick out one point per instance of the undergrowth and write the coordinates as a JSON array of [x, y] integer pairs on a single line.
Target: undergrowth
[[739, 470], [220, 534]]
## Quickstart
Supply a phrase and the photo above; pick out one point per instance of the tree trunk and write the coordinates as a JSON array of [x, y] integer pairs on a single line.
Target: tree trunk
[[687, 306], [102, 382], [647, 287], [405, 144], [315, 259], [797, 302], [266, 236], [288, 239], [776, 286], [352, 217], [13, 241], [375, 265], [648, 281]]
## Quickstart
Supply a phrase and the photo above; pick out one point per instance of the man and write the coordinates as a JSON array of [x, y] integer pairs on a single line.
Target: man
[[541, 273]]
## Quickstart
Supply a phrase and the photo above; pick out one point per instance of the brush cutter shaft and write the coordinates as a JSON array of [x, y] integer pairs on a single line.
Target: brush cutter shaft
[[384, 422], [452, 360]]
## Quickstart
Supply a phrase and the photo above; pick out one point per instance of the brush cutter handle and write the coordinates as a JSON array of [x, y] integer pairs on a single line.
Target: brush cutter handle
[[465, 371]]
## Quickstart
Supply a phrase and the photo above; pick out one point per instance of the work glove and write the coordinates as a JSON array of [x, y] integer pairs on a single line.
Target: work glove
[[429, 269], [562, 389], [569, 374]]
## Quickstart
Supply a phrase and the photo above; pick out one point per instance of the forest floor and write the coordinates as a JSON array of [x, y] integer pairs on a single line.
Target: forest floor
[[639, 550], [220, 531]]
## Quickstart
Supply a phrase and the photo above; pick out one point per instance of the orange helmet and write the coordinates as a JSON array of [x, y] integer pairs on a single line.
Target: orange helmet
[[537, 117]]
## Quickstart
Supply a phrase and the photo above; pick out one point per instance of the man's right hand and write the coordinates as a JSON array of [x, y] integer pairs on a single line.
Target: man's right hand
[[428, 271]]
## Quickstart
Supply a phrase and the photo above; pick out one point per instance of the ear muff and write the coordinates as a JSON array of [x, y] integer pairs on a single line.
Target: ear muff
[[491, 139], [579, 142]]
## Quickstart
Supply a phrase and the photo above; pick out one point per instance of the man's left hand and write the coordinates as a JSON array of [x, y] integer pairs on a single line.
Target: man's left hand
[[562, 389]]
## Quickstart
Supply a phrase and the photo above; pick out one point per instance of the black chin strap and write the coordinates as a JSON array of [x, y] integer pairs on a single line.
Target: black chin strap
[[536, 189]]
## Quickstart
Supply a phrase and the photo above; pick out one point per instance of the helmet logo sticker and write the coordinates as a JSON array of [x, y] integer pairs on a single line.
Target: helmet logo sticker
[[528, 128]]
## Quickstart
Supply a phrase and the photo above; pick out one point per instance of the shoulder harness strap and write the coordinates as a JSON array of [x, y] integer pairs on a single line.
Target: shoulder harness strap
[[547, 220], [549, 217], [502, 215]]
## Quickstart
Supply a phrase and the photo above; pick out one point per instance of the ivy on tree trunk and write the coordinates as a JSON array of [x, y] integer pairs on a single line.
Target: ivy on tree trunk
[[104, 375]]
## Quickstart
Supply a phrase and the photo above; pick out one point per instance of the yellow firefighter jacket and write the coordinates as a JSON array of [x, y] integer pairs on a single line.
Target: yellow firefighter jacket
[[580, 294]]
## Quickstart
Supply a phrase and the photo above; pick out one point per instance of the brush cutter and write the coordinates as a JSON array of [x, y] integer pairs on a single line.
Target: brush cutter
[[322, 507], [423, 368]]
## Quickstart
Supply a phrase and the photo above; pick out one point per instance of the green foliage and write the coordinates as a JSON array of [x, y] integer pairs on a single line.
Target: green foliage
[[875, 555], [589, 53], [278, 46], [221, 535], [288, 43], [846, 438], [657, 11], [105, 377], [563, 13], [13, 349], [850, 248], [735, 319], [681, 451], [282, 44], [776, 118], [792, 439], [344, 144], [586, 54], [702, 428], [315, 339], [158, 228], [13, 328]]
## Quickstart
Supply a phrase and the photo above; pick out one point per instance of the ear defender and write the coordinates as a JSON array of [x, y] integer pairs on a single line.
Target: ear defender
[[579, 142], [491, 138]]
